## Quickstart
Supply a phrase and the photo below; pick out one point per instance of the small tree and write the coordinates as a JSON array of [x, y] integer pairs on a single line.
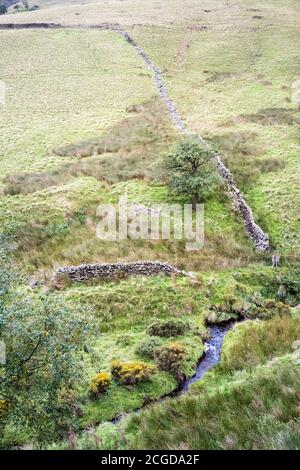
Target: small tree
[[191, 172], [44, 338], [3, 9]]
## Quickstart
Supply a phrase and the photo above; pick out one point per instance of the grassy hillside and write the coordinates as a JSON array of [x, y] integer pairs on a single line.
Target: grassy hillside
[[84, 124], [77, 97]]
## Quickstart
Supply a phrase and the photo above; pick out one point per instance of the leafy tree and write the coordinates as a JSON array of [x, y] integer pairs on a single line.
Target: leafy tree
[[3, 9], [44, 339], [191, 172]]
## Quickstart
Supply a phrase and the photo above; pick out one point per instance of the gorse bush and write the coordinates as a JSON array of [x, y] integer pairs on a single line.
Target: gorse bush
[[131, 373], [116, 367], [4, 407], [100, 384], [148, 347], [168, 328], [170, 356]]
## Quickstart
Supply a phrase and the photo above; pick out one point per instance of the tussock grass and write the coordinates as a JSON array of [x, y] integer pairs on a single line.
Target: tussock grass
[[253, 343], [248, 413], [274, 117], [148, 125], [133, 145], [242, 153]]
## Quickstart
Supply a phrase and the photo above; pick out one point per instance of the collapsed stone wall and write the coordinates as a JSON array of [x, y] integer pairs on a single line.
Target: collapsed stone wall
[[86, 272]]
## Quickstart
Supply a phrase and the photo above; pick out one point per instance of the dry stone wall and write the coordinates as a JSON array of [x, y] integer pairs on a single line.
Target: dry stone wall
[[86, 272]]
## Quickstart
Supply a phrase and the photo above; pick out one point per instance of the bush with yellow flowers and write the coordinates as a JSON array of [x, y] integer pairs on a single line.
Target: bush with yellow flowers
[[100, 384], [115, 369], [131, 373], [4, 406]]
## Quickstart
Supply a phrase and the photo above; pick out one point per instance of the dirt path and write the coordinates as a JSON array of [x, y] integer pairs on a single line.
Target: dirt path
[[259, 238]]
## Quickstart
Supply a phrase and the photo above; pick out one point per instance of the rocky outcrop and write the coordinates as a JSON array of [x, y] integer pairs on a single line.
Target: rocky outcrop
[[86, 272]]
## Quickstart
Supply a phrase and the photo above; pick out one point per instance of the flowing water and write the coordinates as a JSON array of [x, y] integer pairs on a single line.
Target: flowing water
[[213, 348]]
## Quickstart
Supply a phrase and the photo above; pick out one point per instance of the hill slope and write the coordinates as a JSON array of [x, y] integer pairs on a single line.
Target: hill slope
[[83, 124]]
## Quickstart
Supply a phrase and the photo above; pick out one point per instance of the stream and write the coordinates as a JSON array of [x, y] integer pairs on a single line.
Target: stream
[[212, 355], [210, 358]]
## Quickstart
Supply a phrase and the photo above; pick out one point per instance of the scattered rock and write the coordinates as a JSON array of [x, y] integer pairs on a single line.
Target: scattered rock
[[33, 283], [219, 318]]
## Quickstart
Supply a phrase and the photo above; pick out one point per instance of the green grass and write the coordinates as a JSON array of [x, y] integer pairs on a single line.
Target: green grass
[[83, 125], [241, 404], [125, 309], [121, 313], [58, 114], [249, 412], [221, 78], [76, 88]]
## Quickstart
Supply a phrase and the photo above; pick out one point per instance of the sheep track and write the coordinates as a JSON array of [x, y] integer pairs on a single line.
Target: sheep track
[[259, 238]]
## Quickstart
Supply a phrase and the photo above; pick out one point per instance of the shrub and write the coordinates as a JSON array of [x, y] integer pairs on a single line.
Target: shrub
[[257, 299], [148, 347], [191, 171], [115, 369], [131, 373], [100, 384], [269, 308], [168, 328], [270, 303], [124, 340], [241, 308], [4, 406], [169, 357]]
